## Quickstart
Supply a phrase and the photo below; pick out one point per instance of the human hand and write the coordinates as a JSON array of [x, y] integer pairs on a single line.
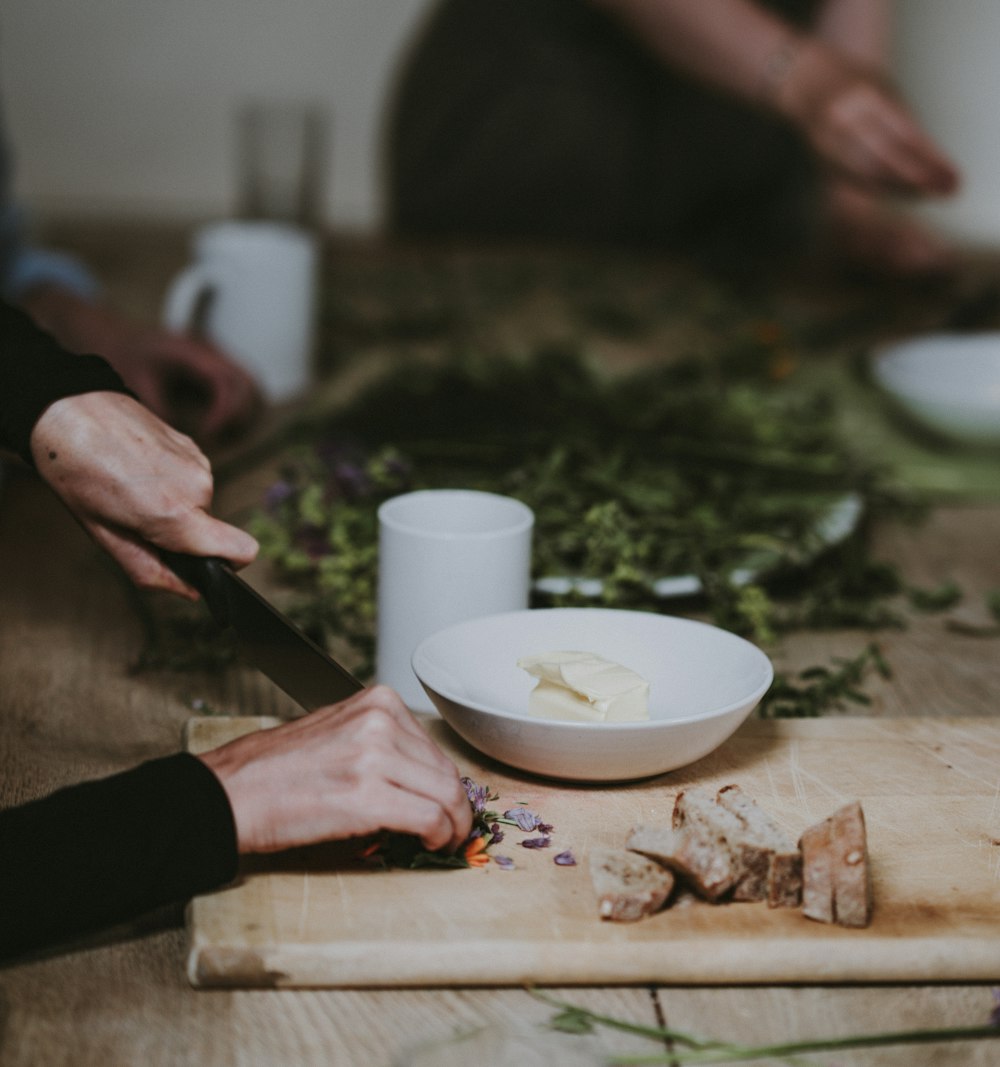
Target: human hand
[[858, 126], [135, 485], [186, 381], [163, 369], [346, 770], [866, 233]]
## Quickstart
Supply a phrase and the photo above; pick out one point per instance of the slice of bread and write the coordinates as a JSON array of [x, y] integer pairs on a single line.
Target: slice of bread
[[628, 886], [771, 865], [817, 873], [836, 875], [703, 860], [852, 885]]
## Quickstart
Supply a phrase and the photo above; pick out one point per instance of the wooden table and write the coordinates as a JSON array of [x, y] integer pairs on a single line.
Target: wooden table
[[69, 709]]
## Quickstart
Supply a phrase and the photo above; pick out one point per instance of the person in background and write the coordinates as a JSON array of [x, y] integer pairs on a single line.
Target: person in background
[[101, 852], [732, 126], [177, 376]]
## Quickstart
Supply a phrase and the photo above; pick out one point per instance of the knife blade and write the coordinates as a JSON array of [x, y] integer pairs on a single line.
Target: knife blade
[[266, 638]]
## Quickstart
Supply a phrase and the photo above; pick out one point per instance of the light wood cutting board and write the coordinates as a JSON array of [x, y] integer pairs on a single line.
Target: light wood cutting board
[[931, 795]]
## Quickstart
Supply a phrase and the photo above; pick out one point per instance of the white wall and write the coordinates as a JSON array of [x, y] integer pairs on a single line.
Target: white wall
[[126, 107]]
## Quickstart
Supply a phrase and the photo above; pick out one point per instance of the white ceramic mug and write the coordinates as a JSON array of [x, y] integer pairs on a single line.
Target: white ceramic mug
[[445, 555], [251, 290]]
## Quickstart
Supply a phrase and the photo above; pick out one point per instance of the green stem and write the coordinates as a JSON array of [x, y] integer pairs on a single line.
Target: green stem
[[739, 1053], [655, 1033]]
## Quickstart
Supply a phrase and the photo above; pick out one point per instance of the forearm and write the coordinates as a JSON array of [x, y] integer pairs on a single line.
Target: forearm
[[858, 29], [79, 325], [104, 852], [733, 45], [35, 371]]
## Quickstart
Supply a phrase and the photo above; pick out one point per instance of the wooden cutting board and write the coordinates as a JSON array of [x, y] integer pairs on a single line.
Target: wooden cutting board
[[931, 794]]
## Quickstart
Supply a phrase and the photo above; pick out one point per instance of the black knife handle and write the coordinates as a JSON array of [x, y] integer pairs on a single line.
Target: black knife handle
[[205, 574]]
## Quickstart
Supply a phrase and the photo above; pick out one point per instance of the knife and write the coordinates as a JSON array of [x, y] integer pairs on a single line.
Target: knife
[[267, 639]]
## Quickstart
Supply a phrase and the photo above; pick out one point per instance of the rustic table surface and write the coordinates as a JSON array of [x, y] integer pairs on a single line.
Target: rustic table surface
[[71, 709]]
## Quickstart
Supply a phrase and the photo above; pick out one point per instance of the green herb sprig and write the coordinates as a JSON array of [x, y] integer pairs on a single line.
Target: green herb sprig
[[572, 1018], [669, 472], [818, 690]]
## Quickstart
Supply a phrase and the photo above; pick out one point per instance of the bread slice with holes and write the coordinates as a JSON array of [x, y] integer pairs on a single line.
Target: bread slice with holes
[[703, 862], [836, 874], [628, 886], [697, 846], [770, 864]]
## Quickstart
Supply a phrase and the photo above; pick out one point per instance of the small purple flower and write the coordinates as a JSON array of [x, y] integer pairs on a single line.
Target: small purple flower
[[478, 794], [277, 494], [497, 834], [351, 479], [544, 827], [505, 863], [536, 842], [398, 467], [565, 859], [524, 819]]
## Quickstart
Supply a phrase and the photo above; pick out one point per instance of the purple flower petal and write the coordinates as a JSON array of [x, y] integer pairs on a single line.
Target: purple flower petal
[[478, 794], [526, 820], [351, 479], [277, 494], [497, 834], [565, 859], [544, 827], [536, 842], [505, 863]]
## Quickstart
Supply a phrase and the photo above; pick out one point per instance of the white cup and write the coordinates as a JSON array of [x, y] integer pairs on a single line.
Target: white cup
[[445, 555], [251, 290]]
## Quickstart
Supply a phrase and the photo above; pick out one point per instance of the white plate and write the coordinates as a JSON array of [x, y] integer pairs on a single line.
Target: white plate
[[948, 382], [834, 525], [703, 683]]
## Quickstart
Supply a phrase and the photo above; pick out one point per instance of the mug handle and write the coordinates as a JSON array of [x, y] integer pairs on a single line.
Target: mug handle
[[188, 296]]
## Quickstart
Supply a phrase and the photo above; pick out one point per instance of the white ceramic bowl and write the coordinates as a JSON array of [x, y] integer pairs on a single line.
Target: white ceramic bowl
[[703, 683], [948, 382]]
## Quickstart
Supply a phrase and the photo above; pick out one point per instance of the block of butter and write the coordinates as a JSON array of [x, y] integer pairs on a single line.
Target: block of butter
[[583, 687]]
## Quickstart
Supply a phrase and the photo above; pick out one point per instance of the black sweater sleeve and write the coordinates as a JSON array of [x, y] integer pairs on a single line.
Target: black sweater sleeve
[[103, 852], [35, 371]]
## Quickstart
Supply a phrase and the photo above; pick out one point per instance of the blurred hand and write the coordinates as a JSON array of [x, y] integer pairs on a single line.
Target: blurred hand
[[866, 233], [134, 484], [343, 771], [859, 127], [186, 381]]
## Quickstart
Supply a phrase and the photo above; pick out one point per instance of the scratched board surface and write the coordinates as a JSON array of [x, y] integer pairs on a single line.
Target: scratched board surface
[[931, 794]]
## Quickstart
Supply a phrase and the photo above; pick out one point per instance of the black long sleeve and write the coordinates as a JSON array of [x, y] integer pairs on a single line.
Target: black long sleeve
[[35, 371], [106, 851], [103, 852]]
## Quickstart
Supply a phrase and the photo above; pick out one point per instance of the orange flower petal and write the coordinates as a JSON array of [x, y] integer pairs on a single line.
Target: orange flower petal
[[475, 846]]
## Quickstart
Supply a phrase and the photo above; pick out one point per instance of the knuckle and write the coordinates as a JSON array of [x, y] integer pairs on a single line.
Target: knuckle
[[383, 696]]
